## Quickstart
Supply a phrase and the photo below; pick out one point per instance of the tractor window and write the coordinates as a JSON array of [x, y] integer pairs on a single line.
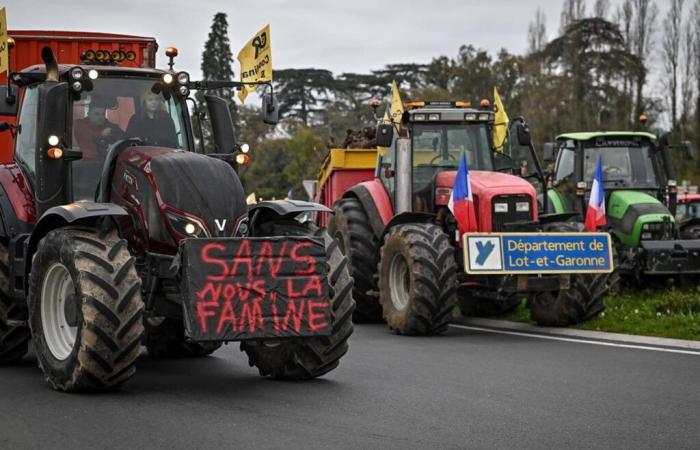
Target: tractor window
[[565, 166], [623, 166], [442, 145], [25, 149], [119, 108]]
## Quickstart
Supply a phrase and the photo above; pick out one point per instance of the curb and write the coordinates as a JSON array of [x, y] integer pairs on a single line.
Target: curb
[[584, 334]]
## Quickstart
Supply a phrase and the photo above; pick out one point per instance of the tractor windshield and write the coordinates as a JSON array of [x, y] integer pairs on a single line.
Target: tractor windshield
[[119, 108], [626, 166], [442, 145]]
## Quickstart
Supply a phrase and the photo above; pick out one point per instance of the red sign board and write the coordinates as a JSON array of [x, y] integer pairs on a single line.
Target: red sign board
[[248, 288]]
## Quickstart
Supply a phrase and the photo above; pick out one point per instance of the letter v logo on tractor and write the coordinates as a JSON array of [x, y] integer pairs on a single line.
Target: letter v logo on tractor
[[220, 224]]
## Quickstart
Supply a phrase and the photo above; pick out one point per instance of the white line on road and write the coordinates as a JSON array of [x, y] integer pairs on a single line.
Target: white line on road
[[580, 341]]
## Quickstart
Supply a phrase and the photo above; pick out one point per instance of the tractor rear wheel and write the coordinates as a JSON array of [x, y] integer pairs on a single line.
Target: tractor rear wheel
[[303, 359], [350, 226], [85, 309], [417, 279], [165, 338], [581, 301], [14, 338]]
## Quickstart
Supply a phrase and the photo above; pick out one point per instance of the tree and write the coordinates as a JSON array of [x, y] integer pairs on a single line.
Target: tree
[[572, 10], [600, 8], [303, 93], [217, 64], [671, 53], [590, 63], [688, 63], [537, 32], [645, 12]]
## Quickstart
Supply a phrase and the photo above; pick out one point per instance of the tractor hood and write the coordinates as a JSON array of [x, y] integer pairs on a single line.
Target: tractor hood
[[184, 183], [486, 186], [630, 211]]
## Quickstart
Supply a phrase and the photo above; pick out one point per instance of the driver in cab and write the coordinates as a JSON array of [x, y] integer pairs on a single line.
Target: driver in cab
[[93, 128]]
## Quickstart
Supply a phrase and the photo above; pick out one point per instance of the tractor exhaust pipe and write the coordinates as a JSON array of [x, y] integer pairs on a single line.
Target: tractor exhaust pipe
[[50, 63]]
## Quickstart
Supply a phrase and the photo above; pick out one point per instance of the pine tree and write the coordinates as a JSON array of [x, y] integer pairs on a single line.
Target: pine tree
[[217, 64]]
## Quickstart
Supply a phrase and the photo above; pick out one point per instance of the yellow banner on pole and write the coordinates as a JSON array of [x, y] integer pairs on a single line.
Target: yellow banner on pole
[[396, 109], [500, 125], [256, 61], [4, 51]]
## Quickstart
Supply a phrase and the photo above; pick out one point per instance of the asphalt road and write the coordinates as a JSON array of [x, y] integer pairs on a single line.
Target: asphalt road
[[466, 389]]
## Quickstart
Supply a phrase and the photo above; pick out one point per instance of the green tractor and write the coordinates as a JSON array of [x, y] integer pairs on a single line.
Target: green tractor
[[640, 197]]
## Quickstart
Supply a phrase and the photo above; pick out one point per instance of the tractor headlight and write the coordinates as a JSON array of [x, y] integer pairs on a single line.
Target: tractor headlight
[[186, 226], [419, 117], [77, 86], [500, 207], [469, 117], [93, 74], [484, 116], [646, 236], [184, 91], [434, 116], [167, 78], [522, 206], [76, 73], [183, 78]]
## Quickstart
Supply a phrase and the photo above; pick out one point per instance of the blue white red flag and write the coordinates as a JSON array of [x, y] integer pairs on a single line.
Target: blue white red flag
[[461, 201], [595, 214]]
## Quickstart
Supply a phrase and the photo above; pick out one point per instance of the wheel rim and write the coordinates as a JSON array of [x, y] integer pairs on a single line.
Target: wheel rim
[[56, 290], [399, 282]]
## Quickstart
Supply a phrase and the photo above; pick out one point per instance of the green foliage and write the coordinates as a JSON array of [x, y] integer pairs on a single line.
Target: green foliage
[[671, 313], [217, 64]]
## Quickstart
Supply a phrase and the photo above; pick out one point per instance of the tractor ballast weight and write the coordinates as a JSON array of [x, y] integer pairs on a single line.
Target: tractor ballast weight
[[144, 241]]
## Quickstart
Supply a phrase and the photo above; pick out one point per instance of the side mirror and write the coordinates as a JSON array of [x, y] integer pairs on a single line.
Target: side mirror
[[524, 138], [271, 110], [8, 101], [221, 124], [687, 150], [385, 135], [548, 152]]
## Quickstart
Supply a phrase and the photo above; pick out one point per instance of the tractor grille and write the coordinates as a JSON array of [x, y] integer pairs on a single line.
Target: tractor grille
[[512, 215]]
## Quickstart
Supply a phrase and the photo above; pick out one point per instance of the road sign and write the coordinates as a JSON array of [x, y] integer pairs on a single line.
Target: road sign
[[523, 253]]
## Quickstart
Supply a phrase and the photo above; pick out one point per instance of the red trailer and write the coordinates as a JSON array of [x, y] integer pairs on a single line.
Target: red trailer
[[73, 47]]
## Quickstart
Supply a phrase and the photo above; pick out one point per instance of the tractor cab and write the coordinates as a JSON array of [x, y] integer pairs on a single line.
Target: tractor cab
[[631, 161], [86, 111]]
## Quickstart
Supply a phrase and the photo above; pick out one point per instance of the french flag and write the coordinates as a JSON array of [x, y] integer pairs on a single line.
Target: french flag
[[595, 214], [461, 201]]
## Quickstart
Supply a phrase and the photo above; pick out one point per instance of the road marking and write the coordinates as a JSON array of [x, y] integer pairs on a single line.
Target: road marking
[[579, 341]]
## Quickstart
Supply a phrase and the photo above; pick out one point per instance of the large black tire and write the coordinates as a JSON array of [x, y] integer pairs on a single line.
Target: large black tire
[[167, 340], [417, 279], [582, 301], [94, 273], [303, 359], [350, 226], [14, 339]]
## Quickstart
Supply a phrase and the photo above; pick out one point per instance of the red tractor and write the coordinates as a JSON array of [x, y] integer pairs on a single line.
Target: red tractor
[[117, 233], [401, 236]]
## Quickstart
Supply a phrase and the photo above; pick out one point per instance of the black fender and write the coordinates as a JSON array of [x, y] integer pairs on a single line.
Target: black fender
[[280, 210], [83, 213], [362, 194], [113, 153], [407, 217]]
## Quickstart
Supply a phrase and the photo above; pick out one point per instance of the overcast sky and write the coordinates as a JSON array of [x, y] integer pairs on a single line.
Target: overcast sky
[[356, 35]]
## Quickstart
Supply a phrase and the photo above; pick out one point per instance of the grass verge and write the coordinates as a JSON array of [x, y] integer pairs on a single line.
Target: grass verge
[[671, 313]]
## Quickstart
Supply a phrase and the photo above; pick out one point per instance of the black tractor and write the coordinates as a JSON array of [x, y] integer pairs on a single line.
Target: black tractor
[[117, 234]]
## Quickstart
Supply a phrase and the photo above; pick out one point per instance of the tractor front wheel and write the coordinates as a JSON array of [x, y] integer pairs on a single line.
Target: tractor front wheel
[[85, 309], [417, 279], [306, 358], [581, 301]]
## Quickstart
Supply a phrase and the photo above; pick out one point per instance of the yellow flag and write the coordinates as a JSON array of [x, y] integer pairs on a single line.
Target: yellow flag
[[4, 52], [256, 61], [396, 108], [500, 126]]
